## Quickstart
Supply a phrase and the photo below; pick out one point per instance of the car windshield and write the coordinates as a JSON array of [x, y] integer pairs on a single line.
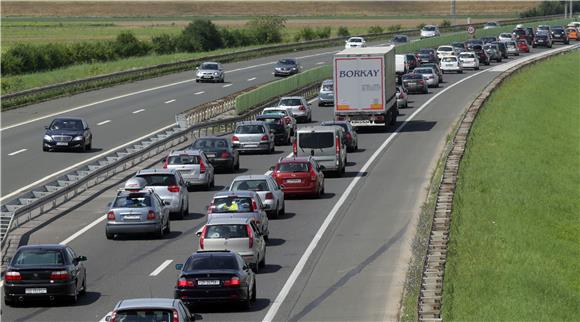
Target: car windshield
[[250, 129], [72, 125], [505, 35], [327, 87], [423, 71], [429, 28], [38, 257], [355, 40], [134, 200], [400, 38], [286, 62], [232, 204], [226, 231], [293, 167], [183, 159], [252, 185], [213, 262], [316, 140], [209, 66], [491, 24], [449, 59], [210, 143], [144, 315], [290, 102], [159, 179]]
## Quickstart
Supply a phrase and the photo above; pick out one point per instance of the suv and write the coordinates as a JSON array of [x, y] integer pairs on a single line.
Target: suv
[[560, 35], [253, 136], [298, 106], [169, 186], [211, 72], [326, 144], [67, 133], [137, 210], [193, 166], [326, 94], [149, 309], [240, 204], [493, 52], [240, 235]]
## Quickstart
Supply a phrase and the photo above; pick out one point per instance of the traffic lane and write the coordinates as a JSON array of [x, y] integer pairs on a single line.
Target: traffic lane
[[361, 256]]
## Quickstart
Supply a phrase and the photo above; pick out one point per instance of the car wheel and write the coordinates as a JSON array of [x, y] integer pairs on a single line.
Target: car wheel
[[90, 146], [254, 295], [262, 263], [255, 267], [84, 290], [161, 232], [273, 149], [322, 190], [477, 68], [74, 298], [247, 303], [237, 165], [45, 149], [109, 235], [83, 148], [8, 300], [167, 229], [282, 211]]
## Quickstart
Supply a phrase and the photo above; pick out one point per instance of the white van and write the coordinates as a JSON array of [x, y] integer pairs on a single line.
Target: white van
[[326, 144]]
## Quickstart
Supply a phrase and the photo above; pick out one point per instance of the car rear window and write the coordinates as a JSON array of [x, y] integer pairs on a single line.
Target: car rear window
[[316, 140], [327, 87], [232, 204], [466, 55], [449, 59], [275, 112], [145, 315], [159, 179], [134, 200], [290, 102], [211, 262], [38, 257], [293, 167], [183, 159], [426, 51], [445, 49], [252, 185], [412, 76], [210, 143], [226, 231], [423, 71], [250, 129]]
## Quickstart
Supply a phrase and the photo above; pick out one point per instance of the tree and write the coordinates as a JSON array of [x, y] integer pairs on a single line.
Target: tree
[[267, 29], [200, 35]]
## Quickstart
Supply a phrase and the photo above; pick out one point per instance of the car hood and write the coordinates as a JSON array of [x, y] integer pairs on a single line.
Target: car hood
[[286, 66], [63, 132], [208, 71]]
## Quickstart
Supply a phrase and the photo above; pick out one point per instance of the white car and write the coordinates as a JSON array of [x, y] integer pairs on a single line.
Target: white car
[[289, 120], [491, 25], [451, 64], [469, 59], [298, 106], [505, 36], [266, 187], [443, 51], [355, 42], [430, 31]]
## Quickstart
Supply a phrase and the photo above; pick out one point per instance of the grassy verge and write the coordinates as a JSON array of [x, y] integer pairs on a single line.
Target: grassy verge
[[515, 233]]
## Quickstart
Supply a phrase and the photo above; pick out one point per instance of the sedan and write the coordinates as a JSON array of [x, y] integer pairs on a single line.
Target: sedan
[[67, 133], [487, 40], [270, 193], [286, 67], [436, 68], [451, 64], [469, 60], [299, 176], [542, 39], [523, 46], [491, 25], [445, 51], [427, 55], [505, 36], [400, 39], [240, 204], [481, 54], [429, 31], [193, 166], [217, 276], [415, 83], [210, 72], [150, 310], [458, 47], [326, 94], [349, 133], [355, 42], [512, 48], [219, 151], [493, 52], [44, 272], [253, 136], [298, 106], [429, 74]]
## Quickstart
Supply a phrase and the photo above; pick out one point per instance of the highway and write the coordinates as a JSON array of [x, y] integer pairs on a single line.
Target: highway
[[356, 269]]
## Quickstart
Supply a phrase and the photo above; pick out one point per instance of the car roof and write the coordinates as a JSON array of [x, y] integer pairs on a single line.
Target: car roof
[[156, 171], [210, 62], [224, 219], [251, 123], [295, 159], [251, 177], [211, 138], [287, 97], [68, 118], [145, 303], [269, 116], [185, 152], [43, 246], [239, 193]]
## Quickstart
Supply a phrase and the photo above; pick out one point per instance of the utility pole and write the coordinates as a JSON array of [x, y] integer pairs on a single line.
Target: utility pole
[[453, 11], [565, 11], [571, 9]]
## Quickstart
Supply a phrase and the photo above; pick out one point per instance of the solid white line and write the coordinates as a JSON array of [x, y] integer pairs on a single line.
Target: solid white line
[[16, 152], [170, 101], [161, 267], [104, 122], [320, 63], [273, 310], [227, 85], [251, 79], [199, 93], [138, 111], [84, 230], [85, 161]]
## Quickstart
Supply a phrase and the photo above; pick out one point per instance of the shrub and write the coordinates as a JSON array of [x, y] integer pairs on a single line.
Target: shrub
[[200, 35], [394, 28], [267, 29], [323, 32], [89, 52], [127, 45], [164, 44], [305, 34], [445, 24], [342, 31], [420, 26], [375, 30]]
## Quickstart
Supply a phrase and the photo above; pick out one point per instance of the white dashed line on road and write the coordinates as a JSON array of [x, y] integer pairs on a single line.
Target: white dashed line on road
[[199, 93], [251, 79], [170, 101], [16, 152], [161, 267], [138, 111], [104, 122], [227, 85]]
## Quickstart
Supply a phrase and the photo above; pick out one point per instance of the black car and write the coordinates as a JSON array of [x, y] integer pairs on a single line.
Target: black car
[[286, 67], [521, 33], [427, 55], [542, 39], [458, 46], [400, 39], [559, 35], [472, 42], [276, 122], [482, 54], [219, 151], [487, 40], [502, 48], [415, 83], [67, 133], [45, 272], [531, 33], [412, 61], [215, 276]]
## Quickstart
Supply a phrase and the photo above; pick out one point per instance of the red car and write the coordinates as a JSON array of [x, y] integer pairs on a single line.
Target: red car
[[299, 176], [523, 46]]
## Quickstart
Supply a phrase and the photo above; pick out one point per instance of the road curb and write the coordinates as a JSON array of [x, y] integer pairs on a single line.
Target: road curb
[[431, 292]]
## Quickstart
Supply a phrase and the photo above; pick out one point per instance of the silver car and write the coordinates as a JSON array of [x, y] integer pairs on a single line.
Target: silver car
[[240, 204], [429, 75], [210, 72], [193, 166], [151, 309], [298, 106], [326, 94], [270, 193], [137, 210], [253, 136], [169, 186], [512, 48]]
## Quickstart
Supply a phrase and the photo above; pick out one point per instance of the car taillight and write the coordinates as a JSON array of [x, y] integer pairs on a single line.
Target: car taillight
[[113, 316], [202, 237], [59, 275], [210, 208], [234, 281], [182, 282], [337, 142], [302, 108], [173, 188], [165, 163], [150, 215], [254, 205], [175, 316], [312, 175], [269, 196], [294, 148], [250, 236], [225, 154], [348, 136], [264, 137], [12, 276], [201, 166], [110, 215], [235, 138]]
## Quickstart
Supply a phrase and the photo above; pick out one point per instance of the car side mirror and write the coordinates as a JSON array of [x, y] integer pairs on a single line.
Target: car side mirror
[[46, 127], [272, 168], [8, 259], [246, 267], [81, 258], [166, 202], [178, 267], [321, 168], [107, 318]]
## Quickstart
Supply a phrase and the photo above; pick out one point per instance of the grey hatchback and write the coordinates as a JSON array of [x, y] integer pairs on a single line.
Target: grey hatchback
[[169, 186], [253, 136], [150, 310]]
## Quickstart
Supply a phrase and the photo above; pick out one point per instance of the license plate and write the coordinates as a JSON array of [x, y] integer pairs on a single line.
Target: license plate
[[540, 41], [557, 36], [132, 217], [449, 65], [412, 83], [208, 282], [360, 121], [293, 180], [210, 155], [35, 291], [62, 143], [251, 145]]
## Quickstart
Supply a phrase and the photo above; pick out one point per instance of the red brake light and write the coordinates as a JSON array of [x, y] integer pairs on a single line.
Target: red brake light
[[225, 154], [269, 196], [12, 276], [182, 282], [254, 205], [110, 215], [59, 275], [302, 108], [113, 316], [250, 236], [202, 237], [235, 138], [173, 188], [337, 142], [234, 281], [150, 215], [294, 148], [175, 316], [264, 137], [165, 163], [201, 166], [348, 136]]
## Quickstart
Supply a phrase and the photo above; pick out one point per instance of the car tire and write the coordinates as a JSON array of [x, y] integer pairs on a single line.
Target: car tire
[[254, 294], [109, 235], [45, 149], [84, 290], [90, 146], [83, 148], [197, 80], [262, 263], [247, 303], [168, 226], [160, 233], [282, 212], [477, 68], [273, 149], [74, 298], [255, 267], [237, 165]]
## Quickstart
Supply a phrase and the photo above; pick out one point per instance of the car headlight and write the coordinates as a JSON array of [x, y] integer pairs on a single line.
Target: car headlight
[[216, 73], [293, 68], [78, 138], [199, 74], [47, 137]]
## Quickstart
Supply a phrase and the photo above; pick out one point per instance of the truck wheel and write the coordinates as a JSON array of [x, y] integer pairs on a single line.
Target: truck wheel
[[393, 119]]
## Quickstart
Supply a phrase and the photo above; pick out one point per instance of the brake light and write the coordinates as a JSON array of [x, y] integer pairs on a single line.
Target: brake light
[[225, 154], [312, 174], [173, 188], [175, 316], [182, 282], [110, 215], [210, 208], [269, 196], [337, 143], [264, 137], [234, 281], [294, 148], [235, 138], [349, 136], [12, 276], [113, 316], [59, 275], [150, 215], [202, 237], [302, 108], [250, 236], [165, 163], [201, 166], [254, 205]]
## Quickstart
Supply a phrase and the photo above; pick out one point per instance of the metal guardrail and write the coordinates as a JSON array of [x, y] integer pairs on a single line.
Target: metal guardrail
[[140, 73]]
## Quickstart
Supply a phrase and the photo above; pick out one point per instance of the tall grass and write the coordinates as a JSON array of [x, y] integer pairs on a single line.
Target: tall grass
[[515, 233]]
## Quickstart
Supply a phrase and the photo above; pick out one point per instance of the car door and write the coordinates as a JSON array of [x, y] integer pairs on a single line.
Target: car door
[[259, 243], [78, 267], [86, 131], [276, 191]]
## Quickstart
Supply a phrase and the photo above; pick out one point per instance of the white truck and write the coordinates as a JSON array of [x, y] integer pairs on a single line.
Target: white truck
[[364, 86]]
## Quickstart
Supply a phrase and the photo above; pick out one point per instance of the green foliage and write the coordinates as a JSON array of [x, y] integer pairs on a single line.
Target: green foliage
[[420, 26], [127, 45], [164, 44], [445, 24], [375, 30], [323, 32], [546, 8], [267, 29], [342, 31], [305, 34], [394, 28], [200, 35]]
